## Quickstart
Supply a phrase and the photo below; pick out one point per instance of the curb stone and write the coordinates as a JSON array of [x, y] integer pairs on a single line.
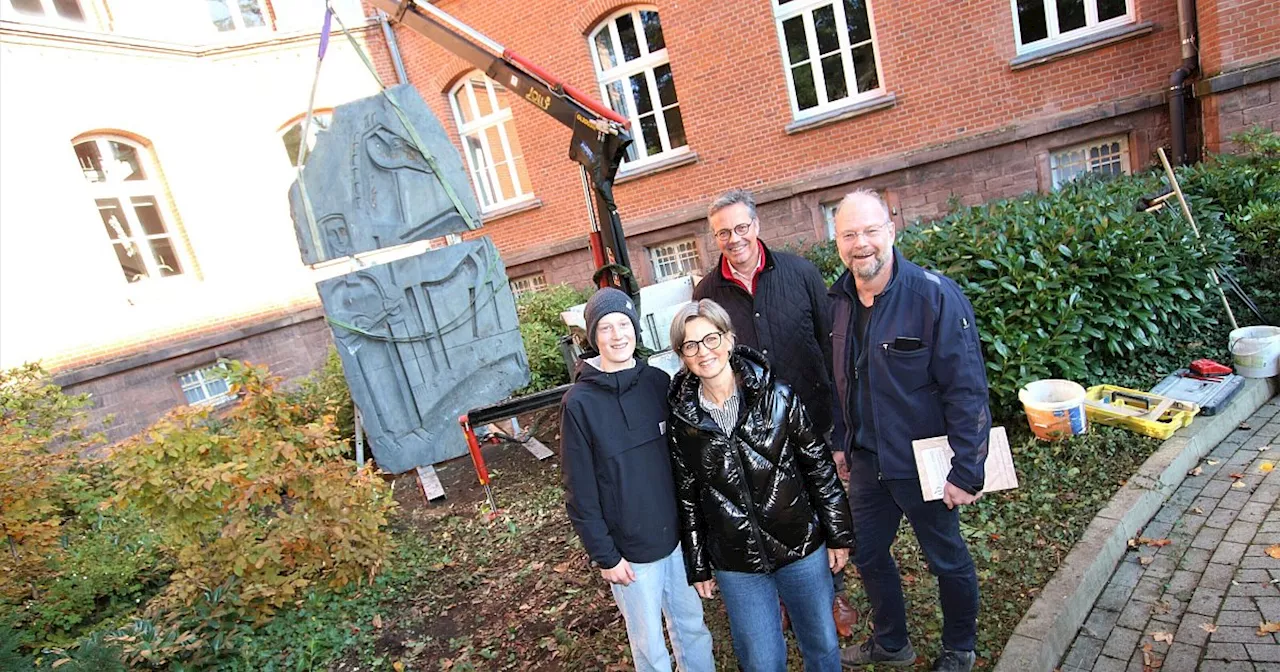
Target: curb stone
[[1047, 629]]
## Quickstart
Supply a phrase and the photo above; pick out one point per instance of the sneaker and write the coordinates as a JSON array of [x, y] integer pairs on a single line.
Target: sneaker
[[869, 653], [954, 661]]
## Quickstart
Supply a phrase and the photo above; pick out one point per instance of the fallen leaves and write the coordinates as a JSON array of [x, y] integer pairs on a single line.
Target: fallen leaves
[[1149, 661], [1144, 541], [1196, 472], [1209, 627], [1266, 467], [377, 620], [1244, 425], [1237, 476], [1263, 449], [1166, 637], [1268, 628], [1197, 510], [1239, 484], [1274, 551], [1145, 560]]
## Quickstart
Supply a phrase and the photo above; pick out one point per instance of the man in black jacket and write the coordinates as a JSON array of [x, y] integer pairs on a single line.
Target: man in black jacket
[[620, 494], [778, 305]]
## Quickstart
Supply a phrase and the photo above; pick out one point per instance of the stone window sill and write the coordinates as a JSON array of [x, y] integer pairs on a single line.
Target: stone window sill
[[508, 210], [669, 163], [840, 114], [1081, 44]]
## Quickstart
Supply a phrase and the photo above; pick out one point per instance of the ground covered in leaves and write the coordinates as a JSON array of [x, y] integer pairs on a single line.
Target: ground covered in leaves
[[471, 591]]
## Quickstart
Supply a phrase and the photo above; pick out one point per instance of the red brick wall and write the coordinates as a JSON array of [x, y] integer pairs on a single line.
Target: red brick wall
[[733, 96], [1235, 33], [1238, 110]]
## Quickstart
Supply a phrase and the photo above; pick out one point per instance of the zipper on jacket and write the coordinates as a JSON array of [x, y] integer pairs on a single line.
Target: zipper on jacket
[[751, 506], [871, 323]]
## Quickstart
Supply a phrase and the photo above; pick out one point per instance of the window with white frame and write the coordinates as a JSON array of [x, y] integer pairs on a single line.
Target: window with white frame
[[1042, 23], [291, 134], [674, 259], [829, 51], [130, 197], [489, 142], [42, 11], [630, 57], [206, 386], [829, 218], [528, 283], [228, 15], [1109, 156]]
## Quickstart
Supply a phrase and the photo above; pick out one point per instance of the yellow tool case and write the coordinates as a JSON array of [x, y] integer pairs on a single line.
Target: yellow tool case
[[1142, 412]]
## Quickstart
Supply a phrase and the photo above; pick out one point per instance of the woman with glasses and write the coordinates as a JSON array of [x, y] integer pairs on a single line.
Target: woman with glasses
[[762, 513]]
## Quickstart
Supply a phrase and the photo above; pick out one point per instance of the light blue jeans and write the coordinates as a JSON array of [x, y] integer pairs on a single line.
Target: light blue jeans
[[661, 589], [756, 622]]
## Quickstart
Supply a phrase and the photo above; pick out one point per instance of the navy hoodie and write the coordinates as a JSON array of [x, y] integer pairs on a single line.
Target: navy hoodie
[[619, 491]]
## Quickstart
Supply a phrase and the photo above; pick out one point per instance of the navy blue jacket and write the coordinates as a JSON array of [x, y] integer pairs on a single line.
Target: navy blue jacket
[[939, 388], [619, 492]]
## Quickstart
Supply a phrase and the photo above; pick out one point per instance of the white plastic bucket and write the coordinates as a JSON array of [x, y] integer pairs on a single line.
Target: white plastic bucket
[[1256, 351], [1055, 408]]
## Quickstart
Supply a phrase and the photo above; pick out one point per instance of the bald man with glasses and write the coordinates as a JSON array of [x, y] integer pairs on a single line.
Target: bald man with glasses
[[778, 305]]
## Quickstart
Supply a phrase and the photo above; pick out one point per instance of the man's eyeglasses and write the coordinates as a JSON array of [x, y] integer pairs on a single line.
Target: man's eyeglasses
[[711, 341], [870, 233], [741, 229]]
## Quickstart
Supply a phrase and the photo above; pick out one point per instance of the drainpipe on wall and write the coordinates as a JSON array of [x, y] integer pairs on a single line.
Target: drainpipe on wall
[[1178, 80], [394, 48]]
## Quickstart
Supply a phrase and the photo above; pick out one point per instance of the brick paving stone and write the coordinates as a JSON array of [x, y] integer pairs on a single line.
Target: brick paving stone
[[1190, 632], [1244, 619], [1255, 511], [1208, 538], [1269, 606], [1106, 664], [1226, 666], [1217, 576], [1100, 623], [1222, 517], [1121, 643], [1135, 615], [1241, 532], [1252, 590], [1238, 604], [1148, 590], [1234, 500], [1127, 573], [1225, 651], [1169, 513], [1155, 530], [1181, 657], [1252, 576], [1114, 597], [1183, 582], [1269, 653], [1205, 602], [1189, 526], [1215, 490], [1235, 633], [1257, 562], [1195, 559], [1162, 567], [1083, 652], [1266, 493], [1229, 553]]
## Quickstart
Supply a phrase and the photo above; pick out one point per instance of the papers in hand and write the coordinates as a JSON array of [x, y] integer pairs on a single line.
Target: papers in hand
[[933, 463]]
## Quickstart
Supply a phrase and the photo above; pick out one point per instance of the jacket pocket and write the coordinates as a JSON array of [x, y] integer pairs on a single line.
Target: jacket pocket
[[908, 369]]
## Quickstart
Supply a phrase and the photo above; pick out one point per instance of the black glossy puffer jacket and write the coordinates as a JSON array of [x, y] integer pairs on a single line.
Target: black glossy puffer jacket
[[763, 498]]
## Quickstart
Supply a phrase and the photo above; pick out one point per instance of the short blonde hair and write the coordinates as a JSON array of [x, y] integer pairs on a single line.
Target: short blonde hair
[[706, 309]]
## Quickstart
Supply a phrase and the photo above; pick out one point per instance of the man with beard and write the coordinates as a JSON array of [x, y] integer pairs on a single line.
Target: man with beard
[[907, 365], [777, 303]]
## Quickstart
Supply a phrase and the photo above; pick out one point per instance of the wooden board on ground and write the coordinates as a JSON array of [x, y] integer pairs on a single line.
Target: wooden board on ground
[[538, 450], [430, 483]]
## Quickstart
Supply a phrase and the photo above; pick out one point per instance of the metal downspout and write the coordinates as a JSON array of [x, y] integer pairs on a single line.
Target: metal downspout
[[393, 47], [1178, 80]]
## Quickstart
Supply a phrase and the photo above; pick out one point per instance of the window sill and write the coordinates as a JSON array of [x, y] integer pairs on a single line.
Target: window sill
[[669, 163], [1081, 44], [508, 210], [841, 113]]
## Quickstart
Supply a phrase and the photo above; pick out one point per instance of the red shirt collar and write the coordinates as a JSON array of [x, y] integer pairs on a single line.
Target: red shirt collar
[[726, 270]]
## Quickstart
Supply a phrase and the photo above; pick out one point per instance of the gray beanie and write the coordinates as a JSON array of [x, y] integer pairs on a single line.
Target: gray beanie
[[605, 301]]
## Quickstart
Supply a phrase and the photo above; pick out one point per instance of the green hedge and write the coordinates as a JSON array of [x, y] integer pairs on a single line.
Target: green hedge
[[541, 329], [1079, 284]]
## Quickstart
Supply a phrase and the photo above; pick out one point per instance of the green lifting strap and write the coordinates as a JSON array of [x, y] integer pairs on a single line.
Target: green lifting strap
[[413, 132]]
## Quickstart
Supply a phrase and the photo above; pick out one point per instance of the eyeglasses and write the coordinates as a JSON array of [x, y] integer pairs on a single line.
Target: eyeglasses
[[870, 233], [741, 229], [711, 341]]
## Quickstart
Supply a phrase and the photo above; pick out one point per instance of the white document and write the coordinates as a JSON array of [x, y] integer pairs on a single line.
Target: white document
[[933, 462]]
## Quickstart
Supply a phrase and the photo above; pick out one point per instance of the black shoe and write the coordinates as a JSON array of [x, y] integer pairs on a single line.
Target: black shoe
[[954, 661], [869, 652]]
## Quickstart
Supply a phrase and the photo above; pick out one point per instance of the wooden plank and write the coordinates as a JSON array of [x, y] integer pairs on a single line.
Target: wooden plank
[[430, 483], [538, 450]]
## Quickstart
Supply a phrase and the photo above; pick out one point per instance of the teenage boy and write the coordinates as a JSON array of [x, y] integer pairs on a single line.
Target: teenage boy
[[619, 491]]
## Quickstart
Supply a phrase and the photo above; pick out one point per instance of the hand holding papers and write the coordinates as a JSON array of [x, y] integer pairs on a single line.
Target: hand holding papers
[[933, 463]]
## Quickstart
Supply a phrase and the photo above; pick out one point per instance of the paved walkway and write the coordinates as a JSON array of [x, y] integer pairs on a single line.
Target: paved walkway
[[1214, 571]]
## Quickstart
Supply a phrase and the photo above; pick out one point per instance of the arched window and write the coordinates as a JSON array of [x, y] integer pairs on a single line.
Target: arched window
[[42, 11], [630, 56], [130, 198], [291, 134], [228, 15], [489, 141]]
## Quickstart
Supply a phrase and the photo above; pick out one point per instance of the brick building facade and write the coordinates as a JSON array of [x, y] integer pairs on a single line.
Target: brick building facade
[[973, 101]]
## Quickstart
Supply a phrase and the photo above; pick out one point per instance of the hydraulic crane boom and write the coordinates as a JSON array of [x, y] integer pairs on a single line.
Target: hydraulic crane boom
[[600, 135]]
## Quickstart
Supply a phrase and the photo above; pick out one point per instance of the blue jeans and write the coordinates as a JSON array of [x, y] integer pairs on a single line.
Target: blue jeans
[[661, 589], [756, 622], [878, 507]]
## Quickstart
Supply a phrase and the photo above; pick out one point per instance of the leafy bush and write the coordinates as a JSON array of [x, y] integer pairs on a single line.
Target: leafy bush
[[259, 495], [325, 392], [541, 329]]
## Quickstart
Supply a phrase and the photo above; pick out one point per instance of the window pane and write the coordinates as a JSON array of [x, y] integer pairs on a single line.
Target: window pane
[[675, 127], [640, 90], [806, 95], [1070, 15], [127, 166], [652, 30], [28, 6], [864, 66], [216, 386], [604, 49], [797, 47], [194, 395], [220, 14], [90, 161], [824, 23], [68, 9], [482, 97], [113, 218], [480, 169], [251, 14], [649, 130], [666, 85], [618, 99], [130, 261], [461, 104], [833, 73], [855, 18], [627, 35], [1031, 22], [517, 155], [292, 140], [148, 215], [165, 257], [1110, 9]]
